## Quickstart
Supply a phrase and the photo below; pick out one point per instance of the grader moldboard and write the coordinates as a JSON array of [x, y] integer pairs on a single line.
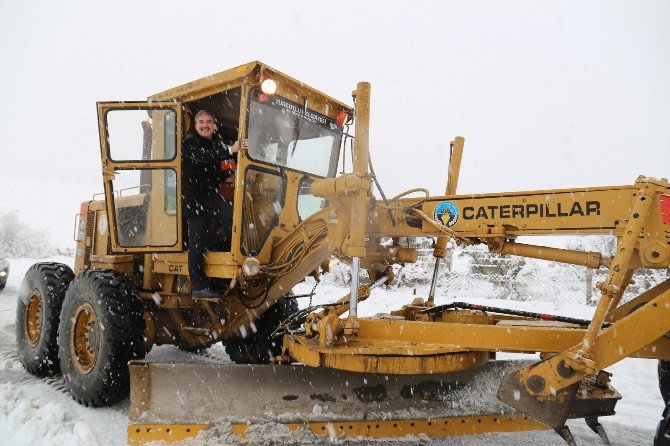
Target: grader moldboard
[[383, 376]]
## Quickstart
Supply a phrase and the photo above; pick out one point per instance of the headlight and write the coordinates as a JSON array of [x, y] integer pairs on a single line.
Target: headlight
[[3, 273], [251, 267]]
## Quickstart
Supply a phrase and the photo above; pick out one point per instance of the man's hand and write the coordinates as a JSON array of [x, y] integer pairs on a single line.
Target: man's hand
[[236, 147]]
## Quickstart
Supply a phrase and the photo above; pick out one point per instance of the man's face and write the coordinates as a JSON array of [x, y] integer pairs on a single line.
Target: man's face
[[205, 126]]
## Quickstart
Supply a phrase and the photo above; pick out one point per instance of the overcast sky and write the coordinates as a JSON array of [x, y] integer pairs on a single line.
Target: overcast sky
[[547, 94]]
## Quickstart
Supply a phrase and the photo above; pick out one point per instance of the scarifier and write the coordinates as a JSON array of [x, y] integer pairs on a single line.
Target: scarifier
[[334, 373]]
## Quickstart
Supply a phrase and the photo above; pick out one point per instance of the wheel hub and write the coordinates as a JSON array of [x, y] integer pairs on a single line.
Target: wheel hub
[[34, 318], [84, 338]]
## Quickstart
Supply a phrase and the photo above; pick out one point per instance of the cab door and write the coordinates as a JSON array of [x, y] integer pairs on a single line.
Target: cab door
[[140, 144]]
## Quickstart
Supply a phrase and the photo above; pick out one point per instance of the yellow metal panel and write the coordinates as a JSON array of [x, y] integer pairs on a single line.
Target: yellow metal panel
[[406, 365], [573, 211], [438, 427], [376, 358], [233, 77], [410, 347], [217, 264], [542, 210], [546, 337], [301, 353], [612, 344], [139, 434], [193, 90]]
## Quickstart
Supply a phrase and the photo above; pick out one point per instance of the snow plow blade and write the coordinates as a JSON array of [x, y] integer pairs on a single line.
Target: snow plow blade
[[171, 402]]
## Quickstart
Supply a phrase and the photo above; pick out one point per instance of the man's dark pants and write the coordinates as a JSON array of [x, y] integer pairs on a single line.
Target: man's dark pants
[[206, 231]]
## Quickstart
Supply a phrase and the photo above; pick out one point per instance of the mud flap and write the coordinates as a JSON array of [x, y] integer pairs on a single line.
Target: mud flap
[[662, 437]]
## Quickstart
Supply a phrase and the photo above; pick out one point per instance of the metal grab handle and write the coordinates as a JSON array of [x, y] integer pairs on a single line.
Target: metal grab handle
[[131, 188]]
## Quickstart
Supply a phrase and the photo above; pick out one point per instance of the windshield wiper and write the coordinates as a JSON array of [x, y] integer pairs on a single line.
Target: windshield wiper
[[301, 119]]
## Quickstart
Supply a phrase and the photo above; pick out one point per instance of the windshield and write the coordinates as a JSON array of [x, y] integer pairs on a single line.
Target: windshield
[[283, 133]]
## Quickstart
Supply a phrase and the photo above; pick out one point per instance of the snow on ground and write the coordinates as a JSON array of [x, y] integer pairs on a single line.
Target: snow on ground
[[36, 411]]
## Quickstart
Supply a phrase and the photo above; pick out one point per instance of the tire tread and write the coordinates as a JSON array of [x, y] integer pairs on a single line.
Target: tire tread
[[53, 279], [259, 348], [116, 306]]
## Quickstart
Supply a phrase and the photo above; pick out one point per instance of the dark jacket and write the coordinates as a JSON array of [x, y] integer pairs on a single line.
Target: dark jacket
[[201, 173]]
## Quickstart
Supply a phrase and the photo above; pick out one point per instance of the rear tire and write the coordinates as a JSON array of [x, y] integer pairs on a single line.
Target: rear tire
[[662, 437], [194, 350], [664, 380], [38, 314], [259, 348], [102, 329]]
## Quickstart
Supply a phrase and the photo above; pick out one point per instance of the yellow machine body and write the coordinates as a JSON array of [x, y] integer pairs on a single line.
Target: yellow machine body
[[291, 218]]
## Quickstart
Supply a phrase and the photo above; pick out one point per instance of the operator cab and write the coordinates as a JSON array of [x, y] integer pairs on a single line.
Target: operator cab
[[294, 132]]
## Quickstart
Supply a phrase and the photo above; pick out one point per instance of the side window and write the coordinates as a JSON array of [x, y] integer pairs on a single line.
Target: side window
[[139, 135], [263, 202], [170, 141], [170, 192], [140, 217], [169, 137], [308, 204]]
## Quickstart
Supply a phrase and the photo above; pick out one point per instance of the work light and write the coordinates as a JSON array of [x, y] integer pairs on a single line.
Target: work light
[[269, 86]]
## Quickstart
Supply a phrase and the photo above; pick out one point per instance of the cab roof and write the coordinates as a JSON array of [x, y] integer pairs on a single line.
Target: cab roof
[[223, 80]]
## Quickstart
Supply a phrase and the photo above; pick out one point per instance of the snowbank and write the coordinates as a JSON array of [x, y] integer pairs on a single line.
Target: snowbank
[[36, 411]]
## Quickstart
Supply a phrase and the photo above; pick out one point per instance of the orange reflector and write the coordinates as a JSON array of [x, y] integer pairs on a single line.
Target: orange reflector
[[665, 208], [341, 118], [84, 208]]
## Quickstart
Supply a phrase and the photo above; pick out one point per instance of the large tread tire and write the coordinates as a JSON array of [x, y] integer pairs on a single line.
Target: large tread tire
[[46, 282], [120, 336], [260, 348], [194, 350], [662, 437], [664, 380]]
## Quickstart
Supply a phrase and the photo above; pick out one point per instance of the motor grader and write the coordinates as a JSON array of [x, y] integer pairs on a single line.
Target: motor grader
[[383, 376]]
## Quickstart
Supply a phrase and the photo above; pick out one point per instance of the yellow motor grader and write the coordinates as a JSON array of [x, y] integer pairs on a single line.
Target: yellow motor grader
[[384, 376]]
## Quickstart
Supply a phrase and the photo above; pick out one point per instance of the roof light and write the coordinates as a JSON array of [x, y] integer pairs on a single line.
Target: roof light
[[269, 86]]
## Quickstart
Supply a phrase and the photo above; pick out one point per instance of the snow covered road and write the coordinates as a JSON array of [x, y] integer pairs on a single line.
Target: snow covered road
[[36, 411]]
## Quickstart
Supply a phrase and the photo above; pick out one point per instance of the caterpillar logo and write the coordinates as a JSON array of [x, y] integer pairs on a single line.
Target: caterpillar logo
[[532, 210]]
